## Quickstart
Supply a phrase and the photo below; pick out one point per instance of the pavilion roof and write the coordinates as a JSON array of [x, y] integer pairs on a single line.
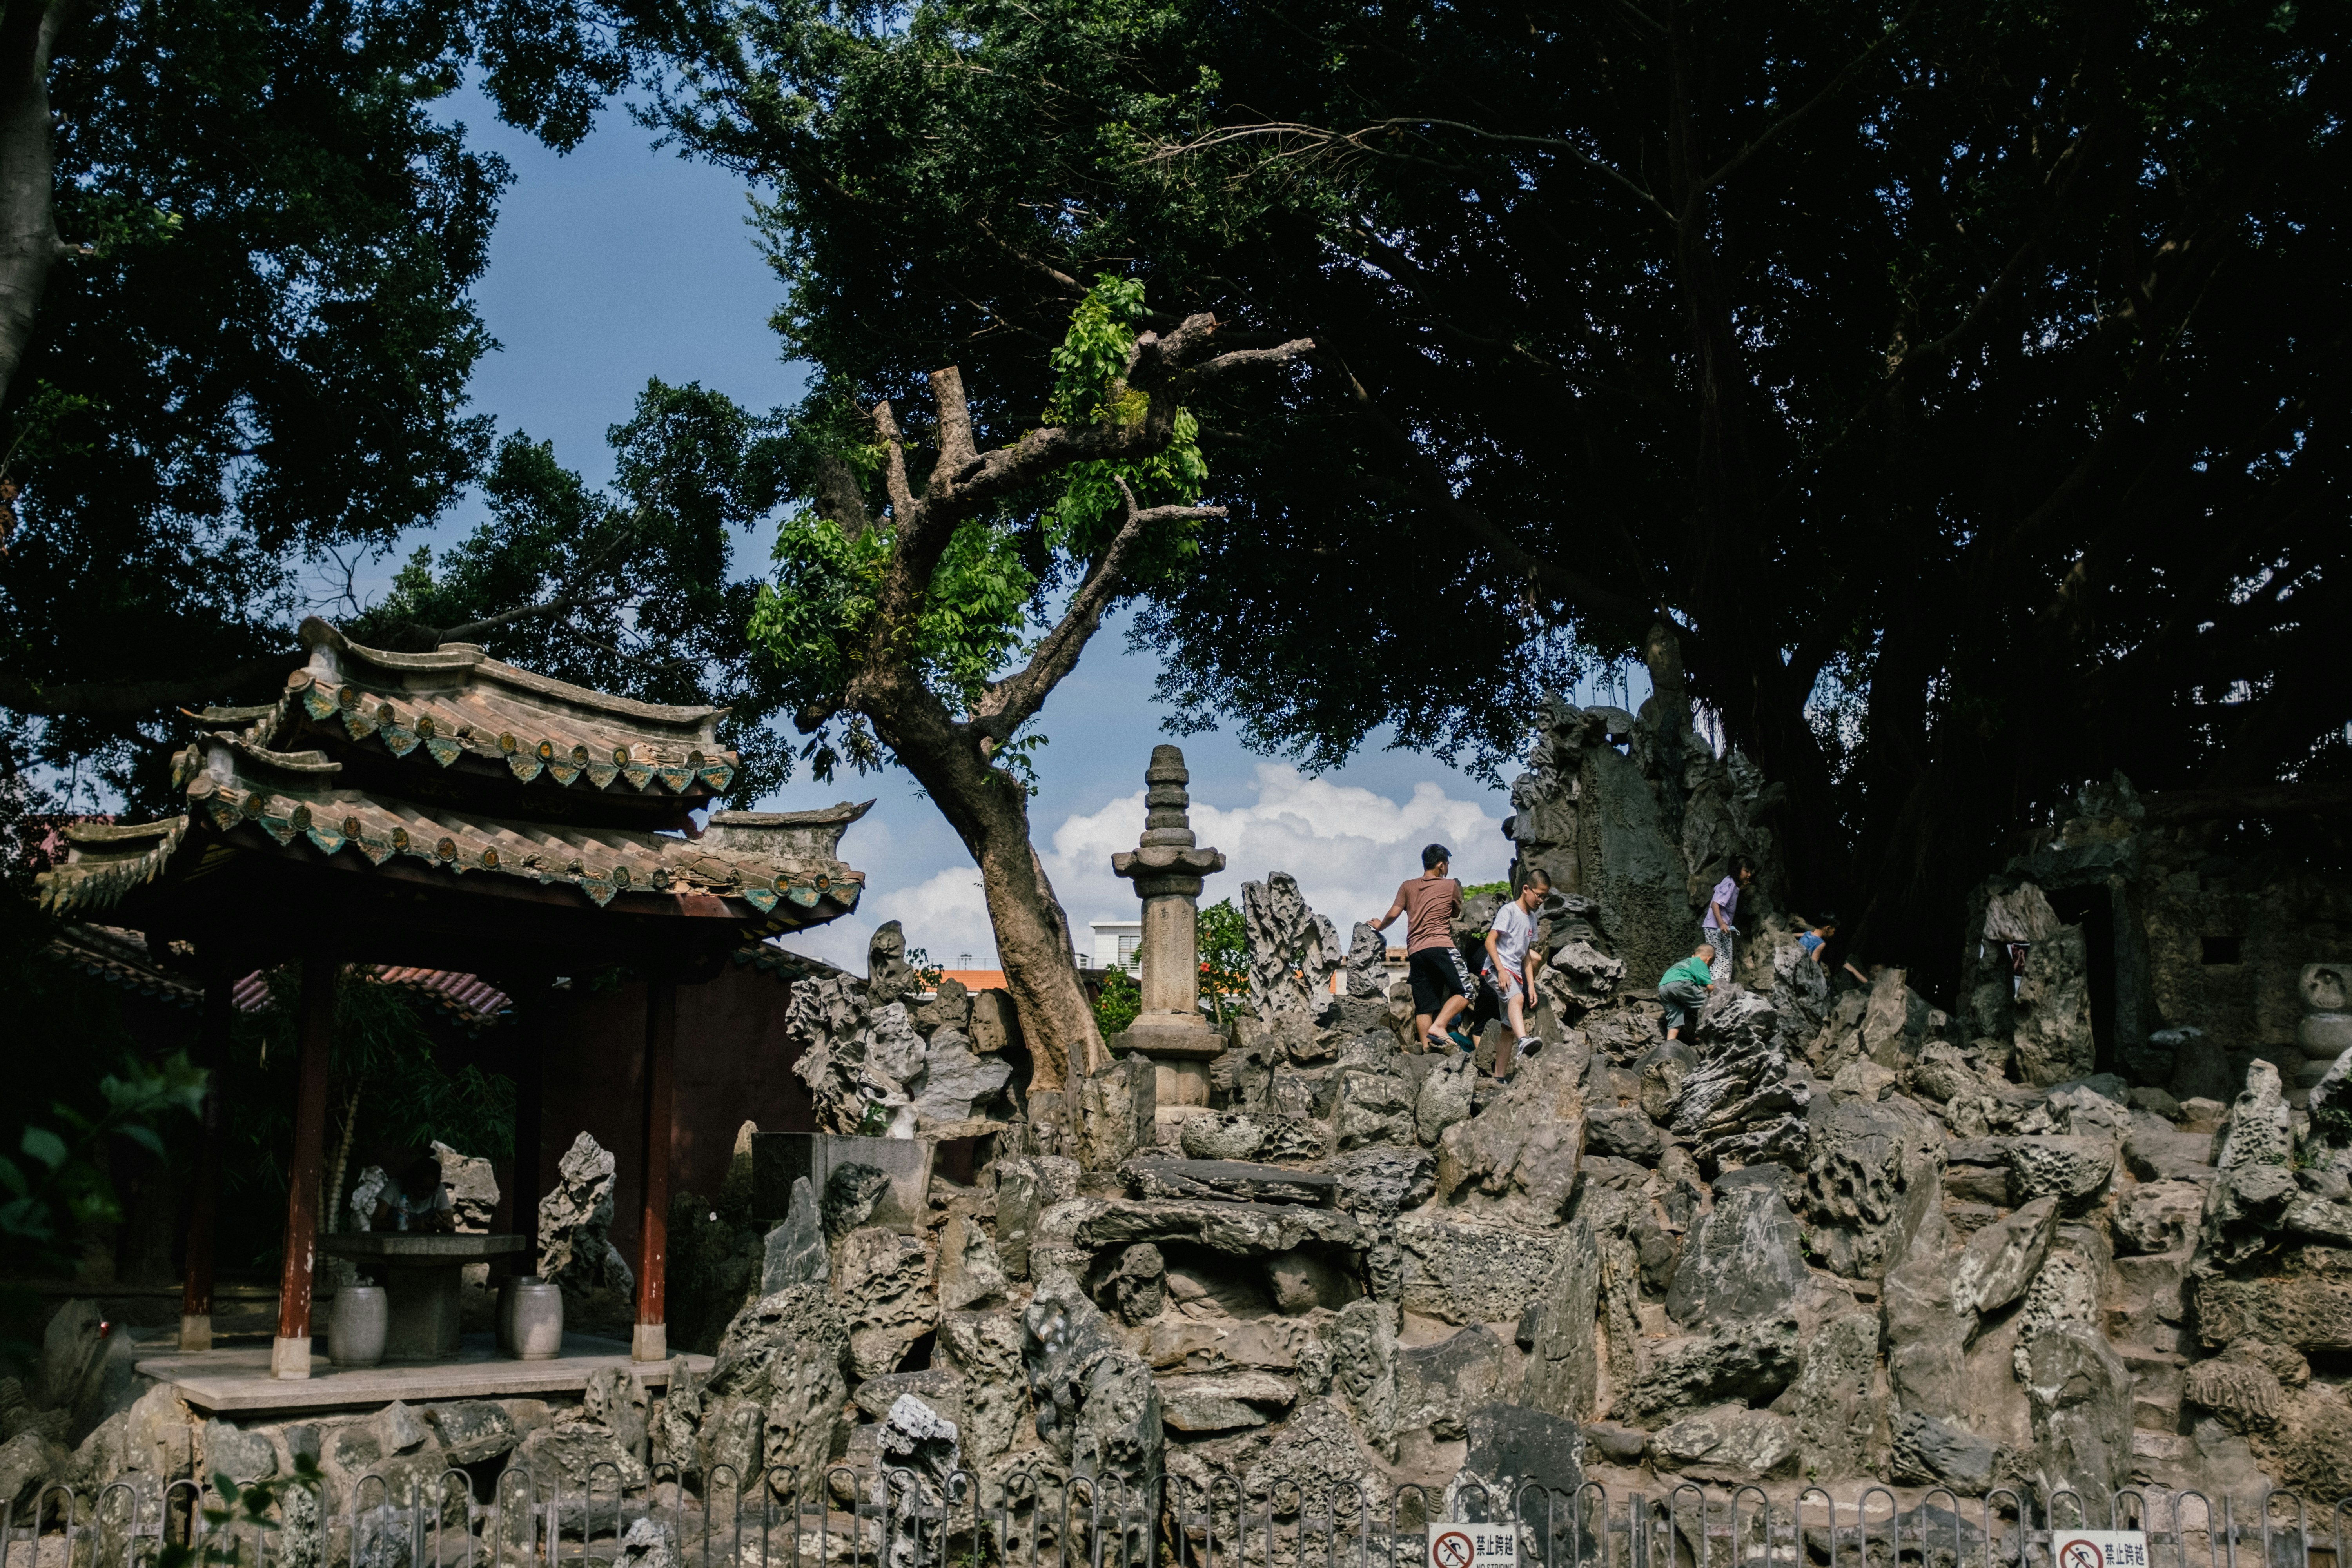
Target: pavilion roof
[[415, 797], [487, 726]]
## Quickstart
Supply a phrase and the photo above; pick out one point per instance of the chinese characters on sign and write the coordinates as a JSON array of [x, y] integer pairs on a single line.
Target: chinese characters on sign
[[2103, 1549], [1477, 1546]]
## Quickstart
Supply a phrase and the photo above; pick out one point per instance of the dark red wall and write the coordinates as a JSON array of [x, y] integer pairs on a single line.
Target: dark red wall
[[733, 1066]]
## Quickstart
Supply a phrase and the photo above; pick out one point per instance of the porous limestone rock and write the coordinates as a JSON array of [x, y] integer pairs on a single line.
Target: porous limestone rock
[[2003, 1259], [1742, 1104], [1744, 1259], [1373, 1108], [1563, 1359], [1752, 1361], [2053, 1039], [1138, 1286], [1579, 977], [1293, 950], [777, 1386], [575, 1222], [1465, 1273], [2075, 1171], [1367, 961], [986, 1348], [1516, 1161], [916, 1437], [2157, 1217], [795, 1252], [971, 1274], [885, 1289], [1731, 1445], [2254, 1184], [1363, 1343], [1873, 1183], [1439, 1384], [1444, 1098], [472, 1189], [1837, 1406], [1096, 1405], [1026, 1188], [2080, 1395]]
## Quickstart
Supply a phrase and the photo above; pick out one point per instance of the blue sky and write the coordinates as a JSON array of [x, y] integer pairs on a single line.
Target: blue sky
[[620, 263]]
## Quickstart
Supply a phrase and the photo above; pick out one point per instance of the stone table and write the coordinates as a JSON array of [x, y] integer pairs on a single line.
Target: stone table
[[421, 1275]]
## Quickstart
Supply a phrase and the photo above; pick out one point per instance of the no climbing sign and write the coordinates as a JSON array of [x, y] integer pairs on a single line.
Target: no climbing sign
[[2102, 1549], [1481, 1546]]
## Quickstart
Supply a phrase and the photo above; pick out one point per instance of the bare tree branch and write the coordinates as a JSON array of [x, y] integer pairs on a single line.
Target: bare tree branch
[[894, 468], [1013, 701], [1772, 133], [955, 418], [1362, 141]]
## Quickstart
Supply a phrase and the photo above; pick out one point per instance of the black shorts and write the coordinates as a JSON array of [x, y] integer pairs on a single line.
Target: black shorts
[[1437, 972]]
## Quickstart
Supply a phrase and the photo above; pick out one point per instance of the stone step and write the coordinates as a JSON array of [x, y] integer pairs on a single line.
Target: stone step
[[2159, 1381]]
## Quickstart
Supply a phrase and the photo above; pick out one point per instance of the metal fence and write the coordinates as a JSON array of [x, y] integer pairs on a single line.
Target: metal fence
[[1031, 1518]]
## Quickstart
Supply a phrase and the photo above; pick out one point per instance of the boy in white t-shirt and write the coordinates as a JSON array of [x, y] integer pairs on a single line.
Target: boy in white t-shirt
[[1507, 943]]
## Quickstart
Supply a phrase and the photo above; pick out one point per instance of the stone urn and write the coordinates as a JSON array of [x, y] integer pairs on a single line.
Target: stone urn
[[356, 1324], [530, 1318], [2325, 1032]]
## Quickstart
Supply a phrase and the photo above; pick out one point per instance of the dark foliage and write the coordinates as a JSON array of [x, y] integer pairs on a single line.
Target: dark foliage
[[1965, 382]]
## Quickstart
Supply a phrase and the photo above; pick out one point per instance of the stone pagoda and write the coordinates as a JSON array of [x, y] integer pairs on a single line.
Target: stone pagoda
[[1167, 867]]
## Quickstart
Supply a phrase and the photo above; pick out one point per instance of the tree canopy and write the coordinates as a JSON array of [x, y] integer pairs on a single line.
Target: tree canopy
[[1963, 383], [253, 354]]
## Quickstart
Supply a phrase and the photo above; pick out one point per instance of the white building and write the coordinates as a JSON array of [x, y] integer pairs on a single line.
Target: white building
[[1118, 945]]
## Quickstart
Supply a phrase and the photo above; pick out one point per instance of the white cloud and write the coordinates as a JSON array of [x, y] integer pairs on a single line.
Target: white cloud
[[1347, 845]]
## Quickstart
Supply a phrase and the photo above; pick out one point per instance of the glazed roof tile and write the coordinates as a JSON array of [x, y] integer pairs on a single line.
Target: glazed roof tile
[[252, 785], [456, 703]]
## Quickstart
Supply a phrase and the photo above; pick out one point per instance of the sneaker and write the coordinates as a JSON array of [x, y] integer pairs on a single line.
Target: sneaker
[[1527, 1045], [1464, 1042]]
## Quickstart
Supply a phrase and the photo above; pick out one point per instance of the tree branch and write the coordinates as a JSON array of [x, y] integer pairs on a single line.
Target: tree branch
[[956, 449], [1013, 701], [1772, 133], [894, 466]]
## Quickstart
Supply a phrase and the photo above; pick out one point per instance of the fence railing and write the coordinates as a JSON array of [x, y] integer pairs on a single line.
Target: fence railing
[[895, 1517]]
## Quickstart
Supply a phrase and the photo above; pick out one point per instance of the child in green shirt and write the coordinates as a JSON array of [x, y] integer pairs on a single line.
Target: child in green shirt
[[1683, 989]]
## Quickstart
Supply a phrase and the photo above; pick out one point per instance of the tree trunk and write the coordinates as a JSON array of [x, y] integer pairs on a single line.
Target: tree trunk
[[28, 231], [988, 809]]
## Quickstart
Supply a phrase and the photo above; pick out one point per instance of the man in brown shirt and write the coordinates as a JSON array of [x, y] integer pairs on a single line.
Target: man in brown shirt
[[1441, 980]]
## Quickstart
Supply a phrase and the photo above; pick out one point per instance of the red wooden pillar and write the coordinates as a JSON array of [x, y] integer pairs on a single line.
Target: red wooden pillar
[[651, 1340], [535, 1025], [289, 1354], [211, 1055]]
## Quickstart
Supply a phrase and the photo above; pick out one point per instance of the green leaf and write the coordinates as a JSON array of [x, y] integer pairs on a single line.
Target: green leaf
[[146, 1137], [46, 1146]]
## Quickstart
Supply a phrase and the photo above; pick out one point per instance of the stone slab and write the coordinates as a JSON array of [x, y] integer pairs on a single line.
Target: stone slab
[[1229, 1179], [1173, 1040], [778, 1158], [418, 1246], [238, 1379]]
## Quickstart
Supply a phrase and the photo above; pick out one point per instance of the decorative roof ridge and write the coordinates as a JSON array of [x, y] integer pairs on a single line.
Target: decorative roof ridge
[[468, 663], [308, 761], [122, 832], [843, 812]]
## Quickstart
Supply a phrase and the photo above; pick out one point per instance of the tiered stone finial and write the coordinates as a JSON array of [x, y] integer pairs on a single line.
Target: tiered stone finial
[[1167, 867]]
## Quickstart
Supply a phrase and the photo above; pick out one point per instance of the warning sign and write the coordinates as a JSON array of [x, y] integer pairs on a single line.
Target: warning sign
[[1475, 1546], [2101, 1547]]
